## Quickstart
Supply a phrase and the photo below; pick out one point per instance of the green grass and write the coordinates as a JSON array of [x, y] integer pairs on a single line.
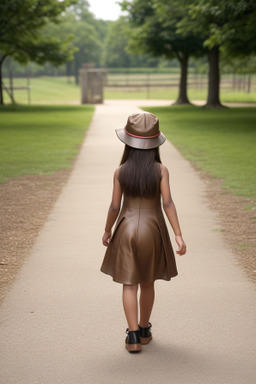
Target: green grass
[[227, 96], [221, 143], [57, 90], [46, 90], [154, 94], [40, 139]]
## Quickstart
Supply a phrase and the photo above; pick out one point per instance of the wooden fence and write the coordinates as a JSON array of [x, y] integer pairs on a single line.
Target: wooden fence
[[136, 82]]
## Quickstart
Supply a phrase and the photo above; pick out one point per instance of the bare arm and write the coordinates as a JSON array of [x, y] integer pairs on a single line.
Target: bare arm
[[113, 209], [170, 210]]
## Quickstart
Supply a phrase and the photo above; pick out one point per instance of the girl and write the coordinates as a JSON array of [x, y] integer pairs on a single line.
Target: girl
[[140, 251]]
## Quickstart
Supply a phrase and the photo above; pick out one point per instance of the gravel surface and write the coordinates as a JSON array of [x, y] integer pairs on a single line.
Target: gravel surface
[[237, 221], [25, 204]]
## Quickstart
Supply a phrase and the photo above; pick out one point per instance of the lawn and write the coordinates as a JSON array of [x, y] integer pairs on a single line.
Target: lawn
[[221, 143], [57, 90], [40, 139], [45, 90]]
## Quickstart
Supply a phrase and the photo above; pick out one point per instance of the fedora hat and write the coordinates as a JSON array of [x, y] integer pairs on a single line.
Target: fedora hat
[[141, 131]]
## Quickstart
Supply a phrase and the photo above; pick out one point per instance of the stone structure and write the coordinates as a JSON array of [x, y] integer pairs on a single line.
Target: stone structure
[[92, 84]]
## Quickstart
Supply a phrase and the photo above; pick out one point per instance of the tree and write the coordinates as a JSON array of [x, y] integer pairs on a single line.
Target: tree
[[116, 53], [226, 24], [85, 42], [154, 31], [89, 35], [21, 23]]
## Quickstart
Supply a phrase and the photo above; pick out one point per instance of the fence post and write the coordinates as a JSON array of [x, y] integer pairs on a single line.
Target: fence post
[[28, 88], [148, 85], [249, 83]]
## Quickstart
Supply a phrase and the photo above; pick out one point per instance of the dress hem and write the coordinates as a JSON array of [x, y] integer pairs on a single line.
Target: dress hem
[[139, 282]]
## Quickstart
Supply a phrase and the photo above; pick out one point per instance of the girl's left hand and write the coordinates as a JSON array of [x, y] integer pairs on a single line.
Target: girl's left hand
[[182, 246], [106, 238]]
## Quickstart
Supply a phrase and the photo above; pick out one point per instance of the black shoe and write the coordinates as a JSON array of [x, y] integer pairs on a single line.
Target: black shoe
[[132, 341], [145, 334]]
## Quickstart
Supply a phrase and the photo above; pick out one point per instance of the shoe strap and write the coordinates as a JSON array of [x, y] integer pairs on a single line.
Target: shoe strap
[[146, 328]]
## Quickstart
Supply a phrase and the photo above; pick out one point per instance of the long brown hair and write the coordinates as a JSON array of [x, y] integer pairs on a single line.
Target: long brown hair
[[139, 174]]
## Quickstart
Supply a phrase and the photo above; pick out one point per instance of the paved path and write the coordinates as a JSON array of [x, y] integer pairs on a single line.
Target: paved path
[[62, 321]]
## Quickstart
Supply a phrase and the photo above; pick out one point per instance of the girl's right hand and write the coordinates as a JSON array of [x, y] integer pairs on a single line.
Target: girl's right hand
[[106, 238], [182, 246]]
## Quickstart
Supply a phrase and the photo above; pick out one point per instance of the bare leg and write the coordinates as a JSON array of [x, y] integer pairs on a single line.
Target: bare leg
[[130, 303], [147, 297]]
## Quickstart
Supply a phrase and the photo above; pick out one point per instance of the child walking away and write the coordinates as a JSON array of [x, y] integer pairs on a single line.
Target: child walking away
[[140, 251]]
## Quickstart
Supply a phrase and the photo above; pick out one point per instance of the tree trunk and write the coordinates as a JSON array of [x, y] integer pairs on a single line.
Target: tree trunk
[[76, 68], [1, 85], [183, 98], [213, 100], [11, 93], [69, 70]]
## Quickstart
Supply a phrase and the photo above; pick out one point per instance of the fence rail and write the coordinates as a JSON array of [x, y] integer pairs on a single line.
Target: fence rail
[[246, 83]]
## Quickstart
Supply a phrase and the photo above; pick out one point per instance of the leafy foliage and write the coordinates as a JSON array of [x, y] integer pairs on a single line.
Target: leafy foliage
[[154, 31], [227, 22], [154, 28], [116, 52], [21, 23]]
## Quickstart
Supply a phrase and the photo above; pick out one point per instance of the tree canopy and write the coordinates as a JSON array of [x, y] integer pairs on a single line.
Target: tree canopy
[[85, 42], [224, 25], [154, 31], [116, 48], [21, 23], [227, 22], [66, 32]]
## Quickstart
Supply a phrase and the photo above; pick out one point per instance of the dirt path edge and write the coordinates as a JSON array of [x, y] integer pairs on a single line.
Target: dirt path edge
[[25, 204]]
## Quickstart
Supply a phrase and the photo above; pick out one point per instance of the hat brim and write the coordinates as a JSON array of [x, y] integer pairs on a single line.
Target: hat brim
[[140, 143]]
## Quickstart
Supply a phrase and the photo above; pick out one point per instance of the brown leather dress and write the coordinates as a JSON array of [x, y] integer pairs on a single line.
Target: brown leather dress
[[140, 249]]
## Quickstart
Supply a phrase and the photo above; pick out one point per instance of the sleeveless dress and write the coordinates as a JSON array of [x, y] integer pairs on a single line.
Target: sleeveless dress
[[140, 249]]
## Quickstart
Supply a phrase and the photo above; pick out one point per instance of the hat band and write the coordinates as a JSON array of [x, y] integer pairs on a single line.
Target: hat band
[[142, 137]]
